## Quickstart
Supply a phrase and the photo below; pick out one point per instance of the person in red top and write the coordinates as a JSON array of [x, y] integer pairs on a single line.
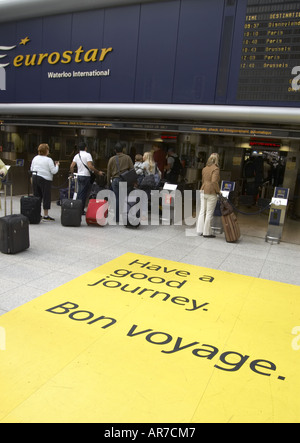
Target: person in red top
[[159, 157]]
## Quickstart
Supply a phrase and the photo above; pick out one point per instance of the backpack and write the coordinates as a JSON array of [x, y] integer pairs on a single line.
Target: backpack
[[177, 168]]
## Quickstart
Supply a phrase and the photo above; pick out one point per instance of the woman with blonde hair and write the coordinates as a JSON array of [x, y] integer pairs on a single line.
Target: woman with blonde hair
[[148, 163], [209, 195], [43, 169]]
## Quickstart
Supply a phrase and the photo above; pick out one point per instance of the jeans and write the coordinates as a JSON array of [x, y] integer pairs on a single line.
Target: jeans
[[115, 187], [208, 205], [84, 189]]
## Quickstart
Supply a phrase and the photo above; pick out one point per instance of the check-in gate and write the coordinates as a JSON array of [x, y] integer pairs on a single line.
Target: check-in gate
[[277, 214]]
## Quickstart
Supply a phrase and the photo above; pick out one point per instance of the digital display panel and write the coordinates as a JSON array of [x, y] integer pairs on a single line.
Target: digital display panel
[[270, 59], [215, 52]]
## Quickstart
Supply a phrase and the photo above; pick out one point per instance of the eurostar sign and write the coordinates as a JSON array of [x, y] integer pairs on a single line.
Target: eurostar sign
[[79, 55]]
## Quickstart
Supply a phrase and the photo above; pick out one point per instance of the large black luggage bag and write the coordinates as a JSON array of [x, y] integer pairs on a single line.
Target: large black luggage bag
[[31, 208], [131, 216], [14, 234], [71, 212]]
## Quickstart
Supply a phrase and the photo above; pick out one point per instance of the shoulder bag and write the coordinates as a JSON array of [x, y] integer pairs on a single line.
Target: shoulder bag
[[92, 174], [129, 176]]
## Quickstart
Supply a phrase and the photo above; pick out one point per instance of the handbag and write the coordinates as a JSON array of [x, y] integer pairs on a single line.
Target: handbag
[[225, 206], [148, 182], [92, 174], [129, 176], [152, 180]]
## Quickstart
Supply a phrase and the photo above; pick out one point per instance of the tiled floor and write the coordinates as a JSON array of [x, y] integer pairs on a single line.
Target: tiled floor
[[58, 254]]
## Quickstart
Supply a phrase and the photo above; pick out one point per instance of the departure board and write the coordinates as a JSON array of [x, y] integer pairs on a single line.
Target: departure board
[[270, 60]]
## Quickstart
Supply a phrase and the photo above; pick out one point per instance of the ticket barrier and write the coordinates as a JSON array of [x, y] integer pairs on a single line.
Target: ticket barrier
[[277, 214], [168, 204]]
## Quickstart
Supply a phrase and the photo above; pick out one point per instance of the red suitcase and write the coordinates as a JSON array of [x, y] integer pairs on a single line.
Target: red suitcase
[[97, 212], [231, 228]]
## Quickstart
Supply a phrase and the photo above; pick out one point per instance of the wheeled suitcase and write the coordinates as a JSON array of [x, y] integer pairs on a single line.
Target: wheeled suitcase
[[67, 193], [97, 212], [71, 212], [31, 208], [14, 233], [231, 227], [131, 216], [71, 209]]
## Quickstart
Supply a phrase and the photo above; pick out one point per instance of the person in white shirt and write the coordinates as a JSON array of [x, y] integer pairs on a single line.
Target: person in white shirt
[[84, 162], [43, 169]]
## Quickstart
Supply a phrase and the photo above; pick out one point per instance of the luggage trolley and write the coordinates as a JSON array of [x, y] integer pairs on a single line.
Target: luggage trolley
[[277, 214]]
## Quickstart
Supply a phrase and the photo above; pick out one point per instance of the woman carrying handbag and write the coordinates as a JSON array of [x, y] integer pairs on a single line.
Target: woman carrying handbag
[[209, 195]]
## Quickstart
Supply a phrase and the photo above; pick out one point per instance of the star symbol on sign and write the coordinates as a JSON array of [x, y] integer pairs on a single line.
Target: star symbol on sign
[[24, 41]]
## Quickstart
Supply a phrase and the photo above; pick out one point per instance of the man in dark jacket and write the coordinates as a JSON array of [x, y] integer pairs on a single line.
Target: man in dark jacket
[[117, 164]]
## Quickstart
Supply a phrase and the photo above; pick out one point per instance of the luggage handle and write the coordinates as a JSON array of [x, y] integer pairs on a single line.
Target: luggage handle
[[75, 178], [30, 180], [5, 184]]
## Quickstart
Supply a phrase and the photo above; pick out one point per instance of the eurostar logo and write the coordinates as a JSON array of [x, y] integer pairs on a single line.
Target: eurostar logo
[[79, 55], [6, 49], [24, 41]]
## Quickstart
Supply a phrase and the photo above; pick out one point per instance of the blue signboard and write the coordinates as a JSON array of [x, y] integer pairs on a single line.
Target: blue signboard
[[185, 52], [164, 52]]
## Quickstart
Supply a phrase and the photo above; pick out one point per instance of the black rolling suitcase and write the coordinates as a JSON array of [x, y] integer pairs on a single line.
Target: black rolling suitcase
[[14, 231], [31, 207], [131, 217], [71, 210]]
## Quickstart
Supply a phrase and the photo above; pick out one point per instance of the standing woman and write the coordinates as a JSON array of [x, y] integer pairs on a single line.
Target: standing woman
[[43, 169], [209, 195], [148, 163]]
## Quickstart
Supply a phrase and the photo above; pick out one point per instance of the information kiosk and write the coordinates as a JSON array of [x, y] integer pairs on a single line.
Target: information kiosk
[[277, 214]]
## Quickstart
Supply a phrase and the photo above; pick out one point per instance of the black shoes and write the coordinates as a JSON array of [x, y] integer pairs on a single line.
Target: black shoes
[[209, 236]]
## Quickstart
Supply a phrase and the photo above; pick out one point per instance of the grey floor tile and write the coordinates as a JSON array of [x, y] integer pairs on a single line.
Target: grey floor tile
[[281, 272], [244, 265], [58, 254], [51, 281], [18, 296]]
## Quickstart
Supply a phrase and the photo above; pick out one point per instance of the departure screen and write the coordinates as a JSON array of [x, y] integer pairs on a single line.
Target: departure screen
[[270, 60]]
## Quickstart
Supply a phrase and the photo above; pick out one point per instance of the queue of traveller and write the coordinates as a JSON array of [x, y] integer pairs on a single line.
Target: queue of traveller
[[151, 164]]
